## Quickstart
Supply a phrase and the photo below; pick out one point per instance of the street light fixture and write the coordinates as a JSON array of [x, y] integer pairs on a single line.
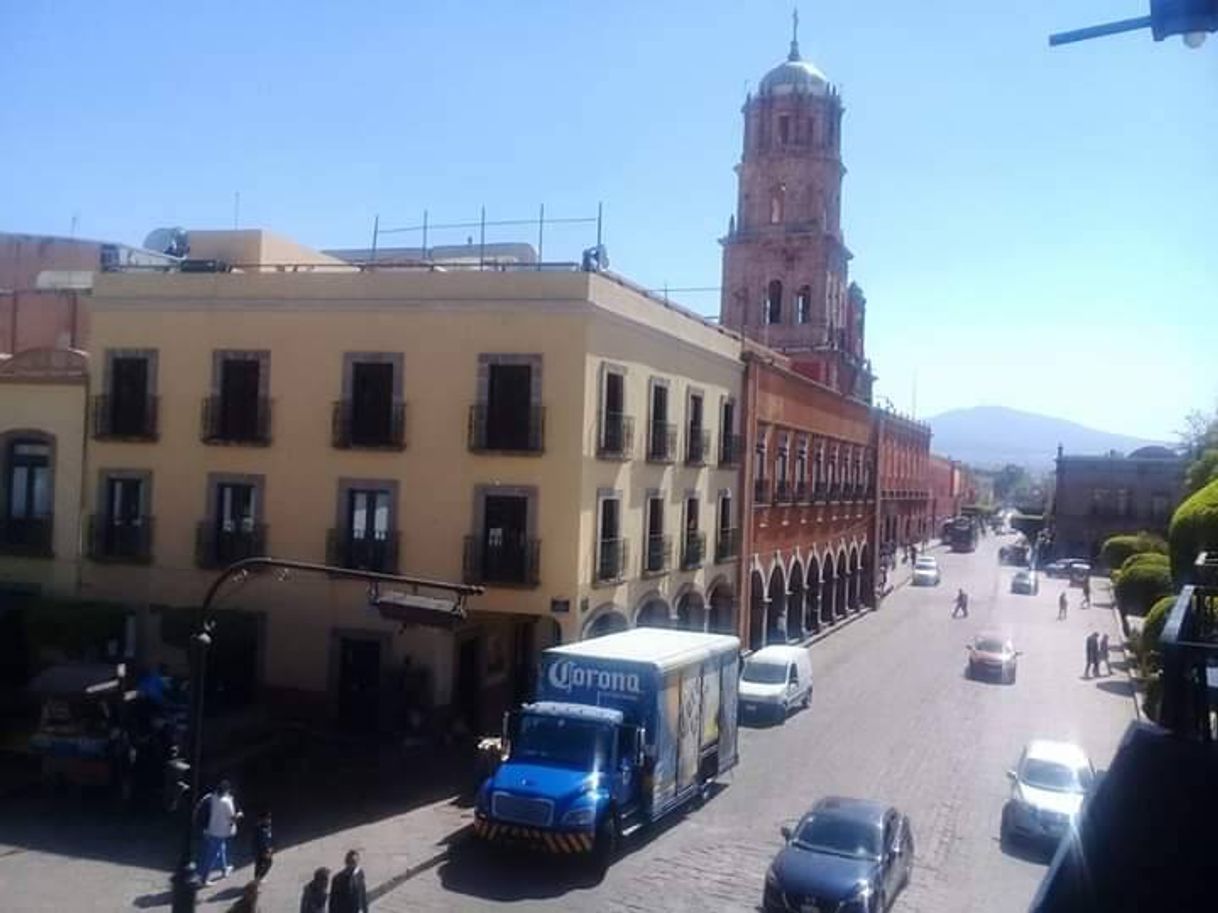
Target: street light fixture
[[408, 608], [1190, 19]]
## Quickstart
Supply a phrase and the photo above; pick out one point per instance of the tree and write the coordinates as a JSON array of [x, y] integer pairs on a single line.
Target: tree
[[1194, 529], [1116, 550], [1201, 471], [1199, 440], [1009, 480]]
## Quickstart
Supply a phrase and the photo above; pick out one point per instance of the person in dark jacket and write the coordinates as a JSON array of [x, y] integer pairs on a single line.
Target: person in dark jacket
[[316, 892], [348, 891], [264, 847], [248, 901], [1093, 655]]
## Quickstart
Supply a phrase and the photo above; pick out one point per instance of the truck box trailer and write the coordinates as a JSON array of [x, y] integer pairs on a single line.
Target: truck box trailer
[[626, 728]]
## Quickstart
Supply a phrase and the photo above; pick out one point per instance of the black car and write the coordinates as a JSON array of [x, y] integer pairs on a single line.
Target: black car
[[844, 856]]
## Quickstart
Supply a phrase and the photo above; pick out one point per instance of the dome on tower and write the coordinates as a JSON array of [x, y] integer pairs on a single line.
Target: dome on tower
[[794, 75]]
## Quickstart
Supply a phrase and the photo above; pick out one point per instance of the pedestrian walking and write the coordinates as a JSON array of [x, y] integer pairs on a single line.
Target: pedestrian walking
[[1062, 604], [1086, 593], [961, 606], [264, 846], [315, 894], [1093, 655], [1103, 655], [348, 891], [219, 814], [248, 901]]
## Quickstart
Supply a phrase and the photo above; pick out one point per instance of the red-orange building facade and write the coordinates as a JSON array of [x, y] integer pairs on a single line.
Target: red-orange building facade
[[808, 554], [903, 497]]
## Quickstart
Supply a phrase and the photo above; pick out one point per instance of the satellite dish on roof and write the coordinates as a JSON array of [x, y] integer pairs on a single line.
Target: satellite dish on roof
[[170, 241]]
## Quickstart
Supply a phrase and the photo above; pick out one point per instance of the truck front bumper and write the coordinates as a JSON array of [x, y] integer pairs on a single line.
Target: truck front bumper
[[535, 838]]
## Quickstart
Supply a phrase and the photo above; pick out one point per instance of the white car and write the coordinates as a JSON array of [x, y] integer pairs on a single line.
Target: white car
[[1047, 791], [926, 571], [774, 680]]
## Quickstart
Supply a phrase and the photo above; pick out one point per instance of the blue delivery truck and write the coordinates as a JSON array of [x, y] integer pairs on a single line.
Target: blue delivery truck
[[625, 729]]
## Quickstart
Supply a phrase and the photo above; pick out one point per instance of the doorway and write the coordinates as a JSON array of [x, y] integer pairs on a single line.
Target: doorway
[[359, 684], [467, 683]]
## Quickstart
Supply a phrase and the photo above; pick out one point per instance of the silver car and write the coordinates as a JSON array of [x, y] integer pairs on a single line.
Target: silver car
[[926, 571], [1048, 787]]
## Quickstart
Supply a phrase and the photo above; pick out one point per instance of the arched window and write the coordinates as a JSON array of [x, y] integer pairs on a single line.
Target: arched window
[[773, 302], [803, 304]]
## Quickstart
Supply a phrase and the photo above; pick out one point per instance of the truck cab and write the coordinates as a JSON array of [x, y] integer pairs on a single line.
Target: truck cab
[[568, 768]]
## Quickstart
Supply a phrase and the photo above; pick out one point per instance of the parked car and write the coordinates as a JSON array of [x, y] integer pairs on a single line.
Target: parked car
[[1048, 787], [774, 680], [1063, 567], [926, 571], [1013, 554], [844, 854], [992, 655], [1078, 572], [1025, 583]]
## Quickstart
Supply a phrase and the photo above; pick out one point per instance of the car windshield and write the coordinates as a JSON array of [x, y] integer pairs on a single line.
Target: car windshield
[[990, 645], [764, 673], [1054, 776], [927, 564], [546, 739], [840, 836]]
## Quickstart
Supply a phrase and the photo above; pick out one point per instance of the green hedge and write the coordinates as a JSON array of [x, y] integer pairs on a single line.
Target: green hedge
[[1152, 627], [1116, 550], [1141, 581], [1194, 529]]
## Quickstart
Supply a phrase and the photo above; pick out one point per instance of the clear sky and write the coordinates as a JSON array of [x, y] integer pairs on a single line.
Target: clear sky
[[1033, 227]]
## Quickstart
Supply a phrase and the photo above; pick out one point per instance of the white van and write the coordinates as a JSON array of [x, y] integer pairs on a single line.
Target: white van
[[774, 680]]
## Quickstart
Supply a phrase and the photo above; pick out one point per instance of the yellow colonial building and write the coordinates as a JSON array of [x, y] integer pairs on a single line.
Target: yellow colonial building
[[558, 437]]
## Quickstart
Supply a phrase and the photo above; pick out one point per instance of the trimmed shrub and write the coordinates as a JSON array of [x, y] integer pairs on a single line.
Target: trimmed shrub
[[1116, 550], [1152, 629], [1141, 581], [1194, 529]]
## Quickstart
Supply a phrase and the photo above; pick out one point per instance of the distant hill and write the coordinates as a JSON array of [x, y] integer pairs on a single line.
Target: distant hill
[[985, 436]]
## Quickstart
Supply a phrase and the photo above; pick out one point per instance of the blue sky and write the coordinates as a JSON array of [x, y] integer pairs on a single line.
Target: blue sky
[[1032, 227]]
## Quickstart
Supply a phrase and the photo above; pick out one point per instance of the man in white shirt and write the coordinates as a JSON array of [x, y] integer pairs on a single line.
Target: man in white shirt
[[220, 814]]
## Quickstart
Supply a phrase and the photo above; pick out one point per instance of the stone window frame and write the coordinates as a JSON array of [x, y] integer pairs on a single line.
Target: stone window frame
[[687, 427], [605, 369], [531, 493], [216, 479], [397, 359], [604, 494], [346, 484], [152, 356], [262, 356], [33, 435], [105, 476], [534, 361], [654, 381], [649, 495]]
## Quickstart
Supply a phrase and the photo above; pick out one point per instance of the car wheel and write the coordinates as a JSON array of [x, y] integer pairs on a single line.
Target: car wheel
[[1004, 827], [1011, 676], [605, 846], [807, 701]]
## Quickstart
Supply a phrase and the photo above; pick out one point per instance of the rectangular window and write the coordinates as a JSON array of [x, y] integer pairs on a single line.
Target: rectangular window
[[697, 444], [616, 428], [122, 530], [610, 550], [729, 442], [656, 557], [727, 540], [782, 480], [369, 541], [508, 401], [694, 541], [130, 407], [503, 551], [371, 403], [28, 489], [661, 439], [233, 529], [238, 410]]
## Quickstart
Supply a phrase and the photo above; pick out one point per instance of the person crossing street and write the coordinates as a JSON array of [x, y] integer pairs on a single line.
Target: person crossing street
[[961, 606]]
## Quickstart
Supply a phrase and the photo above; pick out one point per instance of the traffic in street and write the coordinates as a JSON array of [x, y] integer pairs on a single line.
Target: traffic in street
[[896, 719]]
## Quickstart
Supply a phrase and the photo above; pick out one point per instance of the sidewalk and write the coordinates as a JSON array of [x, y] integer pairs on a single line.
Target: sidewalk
[[903, 573]]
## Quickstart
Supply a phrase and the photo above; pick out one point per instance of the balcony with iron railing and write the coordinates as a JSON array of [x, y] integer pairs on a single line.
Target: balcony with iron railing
[[126, 540], [27, 537], [727, 545], [657, 554], [247, 422], [352, 428], [124, 419], [730, 448], [697, 447], [611, 558], [500, 431], [801, 493], [369, 551], [217, 547], [1144, 838], [693, 550], [784, 492], [661, 442], [502, 564], [615, 436]]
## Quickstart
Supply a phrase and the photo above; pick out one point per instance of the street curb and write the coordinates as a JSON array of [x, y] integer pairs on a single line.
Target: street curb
[[456, 838]]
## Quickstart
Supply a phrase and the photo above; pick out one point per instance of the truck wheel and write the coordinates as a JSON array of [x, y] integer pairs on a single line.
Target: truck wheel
[[605, 847]]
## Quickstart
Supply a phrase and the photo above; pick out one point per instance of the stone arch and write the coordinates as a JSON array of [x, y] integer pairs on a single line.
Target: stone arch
[[691, 610], [812, 587], [841, 579], [828, 581], [776, 610], [796, 624], [721, 616], [852, 587], [757, 610], [867, 574], [607, 619], [653, 611]]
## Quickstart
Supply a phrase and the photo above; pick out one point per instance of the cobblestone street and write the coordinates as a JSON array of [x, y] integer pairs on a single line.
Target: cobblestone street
[[893, 718]]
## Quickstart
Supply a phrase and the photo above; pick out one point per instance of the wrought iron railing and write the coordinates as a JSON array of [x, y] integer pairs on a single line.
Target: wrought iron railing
[[27, 536], [226, 422], [216, 546], [762, 494], [657, 554], [350, 428], [1189, 647], [611, 557], [661, 442], [727, 545], [730, 448], [693, 551], [697, 448], [372, 551], [615, 436], [122, 419], [129, 539], [502, 564], [492, 431]]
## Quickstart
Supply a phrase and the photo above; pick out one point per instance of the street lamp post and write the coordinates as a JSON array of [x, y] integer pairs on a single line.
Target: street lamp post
[[409, 608]]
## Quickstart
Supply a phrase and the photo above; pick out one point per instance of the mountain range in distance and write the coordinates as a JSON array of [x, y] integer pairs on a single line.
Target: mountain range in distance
[[992, 436]]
